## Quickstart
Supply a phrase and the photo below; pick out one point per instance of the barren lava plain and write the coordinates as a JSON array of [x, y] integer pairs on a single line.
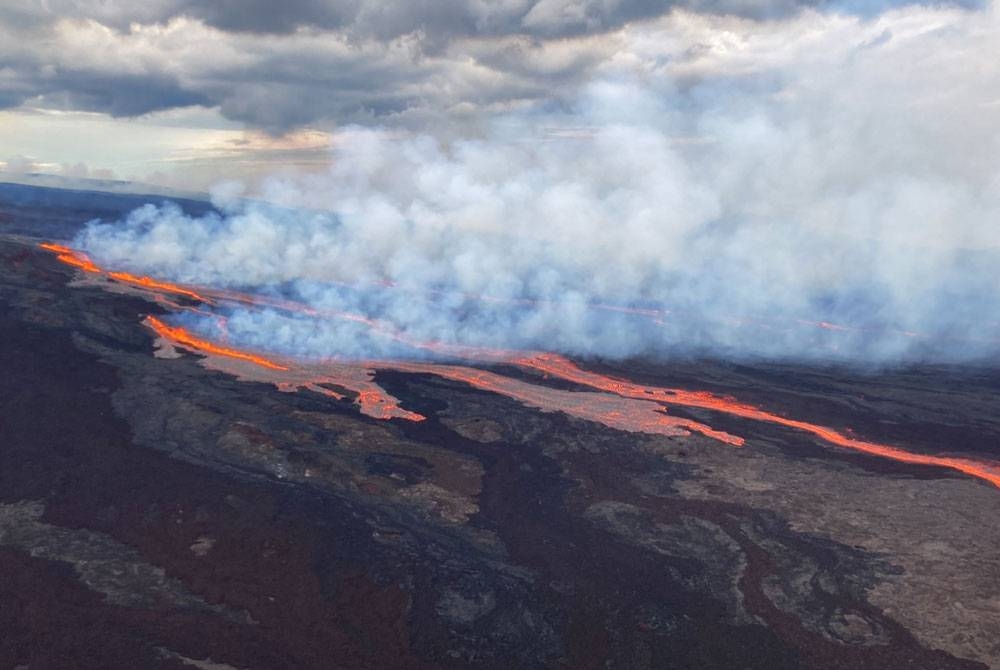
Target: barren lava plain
[[156, 512]]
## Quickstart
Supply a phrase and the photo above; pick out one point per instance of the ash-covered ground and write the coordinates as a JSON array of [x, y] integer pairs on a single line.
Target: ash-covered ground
[[154, 513]]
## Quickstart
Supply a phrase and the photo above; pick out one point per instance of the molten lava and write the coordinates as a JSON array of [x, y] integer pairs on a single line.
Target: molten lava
[[70, 257], [563, 368], [617, 403], [615, 411], [353, 378], [184, 338], [83, 262], [155, 285]]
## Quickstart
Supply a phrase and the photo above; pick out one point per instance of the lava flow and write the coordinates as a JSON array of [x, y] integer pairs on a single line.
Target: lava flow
[[635, 415], [322, 378], [563, 368], [617, 403], [615, 411], [184, 338], [71, 257], [83, 262]]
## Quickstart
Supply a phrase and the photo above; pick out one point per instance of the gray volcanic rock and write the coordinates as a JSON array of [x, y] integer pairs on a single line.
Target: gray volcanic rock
[[155, 513]]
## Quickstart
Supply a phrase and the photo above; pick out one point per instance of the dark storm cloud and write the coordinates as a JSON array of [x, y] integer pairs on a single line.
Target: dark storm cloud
[[122, 94], [280, 65], [436, 20], [27, 77], [273, 82], [267, 16]]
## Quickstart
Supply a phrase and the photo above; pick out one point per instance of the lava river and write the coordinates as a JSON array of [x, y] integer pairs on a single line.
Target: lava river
[[617, 403]]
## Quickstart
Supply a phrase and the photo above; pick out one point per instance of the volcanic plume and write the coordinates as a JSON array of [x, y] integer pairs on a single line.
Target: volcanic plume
[[649, 218]]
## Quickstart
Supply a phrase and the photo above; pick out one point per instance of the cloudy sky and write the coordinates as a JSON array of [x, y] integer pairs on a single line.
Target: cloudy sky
[[185, 92], [754, 167]]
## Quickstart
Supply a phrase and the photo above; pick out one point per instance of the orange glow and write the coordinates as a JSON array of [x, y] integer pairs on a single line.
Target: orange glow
[[55, 248], [153, 284], [184, 338], [70, 257], [370, 398], [621, 404], [614, 411], [565, 369], [443, 349], [82, 261]]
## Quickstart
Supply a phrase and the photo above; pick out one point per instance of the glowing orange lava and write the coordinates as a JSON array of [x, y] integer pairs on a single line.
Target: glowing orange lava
[[615, 411], [184, 338], [82, 261], [565, 369], [619, 403], [70, 257], [372, 400], [155, 285]]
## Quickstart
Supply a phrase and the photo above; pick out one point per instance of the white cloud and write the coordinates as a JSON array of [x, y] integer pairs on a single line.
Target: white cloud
[[822, 169]]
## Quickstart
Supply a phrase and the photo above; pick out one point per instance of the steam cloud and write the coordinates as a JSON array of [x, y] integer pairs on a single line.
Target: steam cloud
[[851, 179]]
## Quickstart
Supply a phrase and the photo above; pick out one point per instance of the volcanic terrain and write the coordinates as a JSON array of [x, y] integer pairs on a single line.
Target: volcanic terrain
[[170, 500]]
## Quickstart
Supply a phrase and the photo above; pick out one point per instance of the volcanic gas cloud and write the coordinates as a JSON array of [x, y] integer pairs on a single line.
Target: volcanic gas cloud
[[617, 403]]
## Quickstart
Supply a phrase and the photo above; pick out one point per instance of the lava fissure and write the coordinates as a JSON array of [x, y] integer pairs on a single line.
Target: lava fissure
[[184, 338], [617, 403], [83, 262], [563, 368]]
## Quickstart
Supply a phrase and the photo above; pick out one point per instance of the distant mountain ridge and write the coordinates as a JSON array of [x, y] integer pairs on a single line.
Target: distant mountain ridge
[[119, 186], [58, 213]]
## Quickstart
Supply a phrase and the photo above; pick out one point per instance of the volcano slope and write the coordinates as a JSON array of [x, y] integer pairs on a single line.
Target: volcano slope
[[159, 511]]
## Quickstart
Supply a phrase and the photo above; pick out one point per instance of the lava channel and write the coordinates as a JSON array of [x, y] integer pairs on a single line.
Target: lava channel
[[82, 261], [620, 403], [562, 368]]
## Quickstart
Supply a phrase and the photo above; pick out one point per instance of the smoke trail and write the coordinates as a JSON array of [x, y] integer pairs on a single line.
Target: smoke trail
[[838, 202]]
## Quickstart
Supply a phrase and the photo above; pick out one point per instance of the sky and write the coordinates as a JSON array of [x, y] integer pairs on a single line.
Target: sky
[[188, 92], [783, 179]]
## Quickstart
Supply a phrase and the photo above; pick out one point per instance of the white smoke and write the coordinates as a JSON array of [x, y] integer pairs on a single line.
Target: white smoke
[[752, 180]]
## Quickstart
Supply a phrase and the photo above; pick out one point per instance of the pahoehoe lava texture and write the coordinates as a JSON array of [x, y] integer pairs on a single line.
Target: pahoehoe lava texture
[[154, 513]]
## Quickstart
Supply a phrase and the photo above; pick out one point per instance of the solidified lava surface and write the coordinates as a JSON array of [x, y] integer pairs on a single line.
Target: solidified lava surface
[[157, 512]]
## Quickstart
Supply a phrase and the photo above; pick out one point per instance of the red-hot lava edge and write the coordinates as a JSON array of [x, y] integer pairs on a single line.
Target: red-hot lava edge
[[635, 415]]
